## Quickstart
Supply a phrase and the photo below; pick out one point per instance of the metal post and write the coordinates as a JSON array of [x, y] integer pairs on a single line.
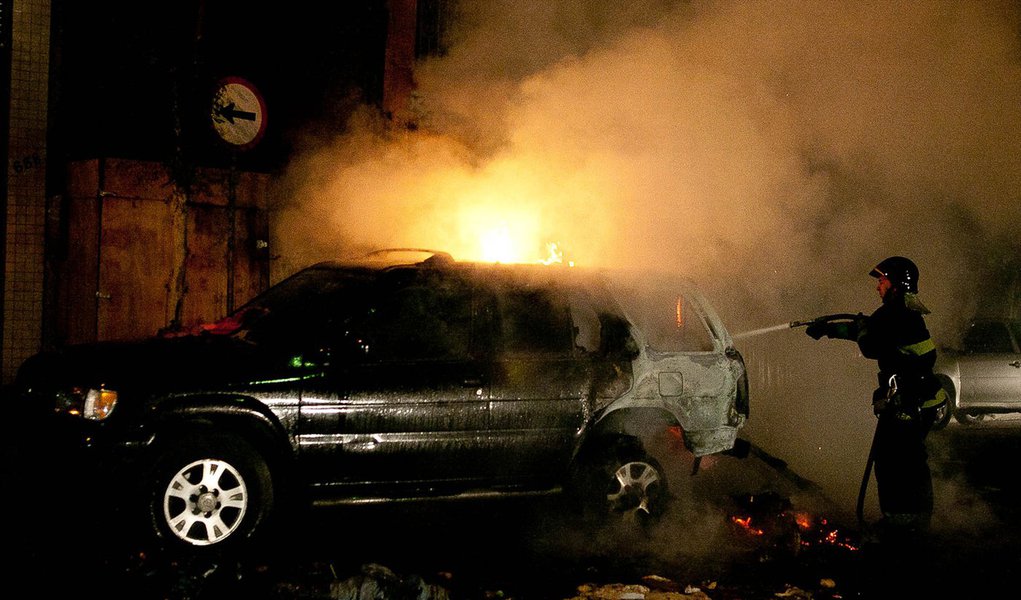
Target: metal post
[[231, 228]]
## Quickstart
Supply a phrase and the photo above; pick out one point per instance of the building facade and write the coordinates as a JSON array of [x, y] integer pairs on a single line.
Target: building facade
[[117, 187], [25, 35]]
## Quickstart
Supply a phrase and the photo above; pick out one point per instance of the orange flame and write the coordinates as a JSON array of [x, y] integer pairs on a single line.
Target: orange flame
[[555, 255], [497, 245], [746, 523], [804, 520]]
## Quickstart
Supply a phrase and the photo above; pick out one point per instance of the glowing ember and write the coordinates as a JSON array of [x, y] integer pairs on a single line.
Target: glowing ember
[[769, 517], [804, 520], [822, 533], [835, 539], [746, 523]]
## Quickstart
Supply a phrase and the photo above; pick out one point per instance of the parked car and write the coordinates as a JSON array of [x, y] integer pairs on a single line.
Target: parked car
[[983, 376], [395, 378]]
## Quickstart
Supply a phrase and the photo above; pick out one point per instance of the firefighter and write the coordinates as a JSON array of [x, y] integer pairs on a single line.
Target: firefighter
[[908, 395]]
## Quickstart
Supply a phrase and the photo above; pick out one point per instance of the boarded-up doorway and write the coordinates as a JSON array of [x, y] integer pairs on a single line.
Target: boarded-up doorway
[[134, 255]]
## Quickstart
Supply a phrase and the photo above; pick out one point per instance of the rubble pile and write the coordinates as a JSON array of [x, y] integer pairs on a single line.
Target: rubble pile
[[377, 582]]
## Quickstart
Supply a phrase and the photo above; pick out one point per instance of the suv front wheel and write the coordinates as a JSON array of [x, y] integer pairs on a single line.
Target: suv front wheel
[[209, 490], [943, 413]]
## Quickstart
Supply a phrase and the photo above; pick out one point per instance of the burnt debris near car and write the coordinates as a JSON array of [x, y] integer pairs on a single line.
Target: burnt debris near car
[[401, 376]]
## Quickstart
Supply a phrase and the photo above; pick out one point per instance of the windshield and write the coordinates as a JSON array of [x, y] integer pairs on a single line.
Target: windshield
[[295, 309]]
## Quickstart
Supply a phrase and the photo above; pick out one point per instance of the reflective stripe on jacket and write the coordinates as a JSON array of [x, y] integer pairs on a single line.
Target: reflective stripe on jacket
[[897, 338]]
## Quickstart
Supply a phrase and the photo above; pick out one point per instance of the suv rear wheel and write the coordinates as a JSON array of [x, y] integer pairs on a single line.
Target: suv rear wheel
[[623, 484], [209, 490]]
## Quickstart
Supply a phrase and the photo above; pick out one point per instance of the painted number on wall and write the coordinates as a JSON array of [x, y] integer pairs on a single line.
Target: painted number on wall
[[27, 163]]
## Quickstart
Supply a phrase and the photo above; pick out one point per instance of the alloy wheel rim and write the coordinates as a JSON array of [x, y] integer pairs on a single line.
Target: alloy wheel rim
[[205, 502], [631, 491]]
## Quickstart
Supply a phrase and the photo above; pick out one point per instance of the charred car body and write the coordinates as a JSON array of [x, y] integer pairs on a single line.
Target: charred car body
[[384, 380]]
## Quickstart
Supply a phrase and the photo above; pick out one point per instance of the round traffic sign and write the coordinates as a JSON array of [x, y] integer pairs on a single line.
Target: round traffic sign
[[238, 112]]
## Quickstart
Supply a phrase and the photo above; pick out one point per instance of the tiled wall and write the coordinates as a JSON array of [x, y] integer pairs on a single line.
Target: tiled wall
[[26, 193]]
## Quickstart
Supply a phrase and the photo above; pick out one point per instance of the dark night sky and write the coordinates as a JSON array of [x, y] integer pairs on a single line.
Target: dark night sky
[[125, 72]]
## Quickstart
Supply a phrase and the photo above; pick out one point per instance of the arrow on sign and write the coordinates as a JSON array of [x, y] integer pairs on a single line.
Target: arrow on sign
[[238, 113], [230, 113]]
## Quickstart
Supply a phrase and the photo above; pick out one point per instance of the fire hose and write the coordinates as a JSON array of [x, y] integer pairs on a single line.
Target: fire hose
[[892, 389], [796, 324], [859, 509]]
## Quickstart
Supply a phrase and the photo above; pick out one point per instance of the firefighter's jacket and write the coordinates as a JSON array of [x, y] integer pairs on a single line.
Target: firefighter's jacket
[[897, 338]]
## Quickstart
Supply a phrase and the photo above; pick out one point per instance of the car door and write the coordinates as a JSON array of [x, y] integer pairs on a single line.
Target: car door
[[541, 381], [991, 366], [405, 404]]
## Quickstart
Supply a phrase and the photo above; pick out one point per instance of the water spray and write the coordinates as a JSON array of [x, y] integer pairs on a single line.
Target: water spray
[[796, 324]]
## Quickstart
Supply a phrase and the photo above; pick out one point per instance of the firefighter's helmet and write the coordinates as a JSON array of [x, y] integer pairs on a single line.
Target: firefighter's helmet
[[901, 272]]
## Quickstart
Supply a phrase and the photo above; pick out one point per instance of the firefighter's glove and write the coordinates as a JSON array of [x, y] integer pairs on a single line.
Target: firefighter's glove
[[816, 330]]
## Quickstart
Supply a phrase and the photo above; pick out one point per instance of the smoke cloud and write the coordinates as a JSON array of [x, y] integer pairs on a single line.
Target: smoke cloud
[[772, 151]]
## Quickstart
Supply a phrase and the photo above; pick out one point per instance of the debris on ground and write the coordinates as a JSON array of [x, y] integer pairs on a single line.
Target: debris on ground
[[377, 582], [794, 593], [620, 591], [657, 582]]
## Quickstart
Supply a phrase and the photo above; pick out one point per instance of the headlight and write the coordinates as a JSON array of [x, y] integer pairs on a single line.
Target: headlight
[[90, 403]]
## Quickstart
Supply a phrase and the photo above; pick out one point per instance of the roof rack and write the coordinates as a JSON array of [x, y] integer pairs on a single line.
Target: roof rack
[[394, 255]]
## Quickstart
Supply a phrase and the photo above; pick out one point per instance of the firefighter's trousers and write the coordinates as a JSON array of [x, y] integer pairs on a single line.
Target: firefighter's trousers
[[903, 478]]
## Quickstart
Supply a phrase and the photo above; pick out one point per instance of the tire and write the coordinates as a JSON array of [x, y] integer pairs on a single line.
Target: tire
[[968, 418], [209, 491], [620, 484], [944, 413]]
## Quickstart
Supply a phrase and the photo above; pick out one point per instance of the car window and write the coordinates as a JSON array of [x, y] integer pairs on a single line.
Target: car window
[[672, 324], [586, 327], [679, 328], [670, 319], [295, 313], [988, 338], [424, 315], [534, 320]]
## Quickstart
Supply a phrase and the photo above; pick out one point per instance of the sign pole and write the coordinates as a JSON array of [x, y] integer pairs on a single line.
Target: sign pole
[[231, 229]]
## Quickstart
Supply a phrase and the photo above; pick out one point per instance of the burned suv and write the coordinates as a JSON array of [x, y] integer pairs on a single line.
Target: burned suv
[[382, 379]]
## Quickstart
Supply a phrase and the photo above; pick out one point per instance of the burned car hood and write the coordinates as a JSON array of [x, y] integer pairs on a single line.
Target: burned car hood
[[205, 361]]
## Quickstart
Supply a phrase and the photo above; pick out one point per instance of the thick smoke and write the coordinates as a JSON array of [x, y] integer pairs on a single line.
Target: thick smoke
[[786, 145], [773, 151]]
